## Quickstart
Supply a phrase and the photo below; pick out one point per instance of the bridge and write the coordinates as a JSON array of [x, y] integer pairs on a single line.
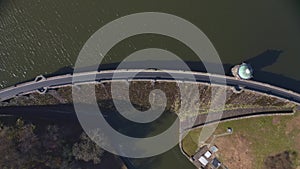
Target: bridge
[[41, 84]]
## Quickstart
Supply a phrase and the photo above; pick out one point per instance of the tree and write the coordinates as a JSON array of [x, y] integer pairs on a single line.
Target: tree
[[24, 145], [8, 153], [25, 137], [87, 150], [17, 145]]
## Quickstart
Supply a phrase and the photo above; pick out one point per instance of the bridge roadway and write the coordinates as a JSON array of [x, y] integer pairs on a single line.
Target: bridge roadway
[[149, 74]]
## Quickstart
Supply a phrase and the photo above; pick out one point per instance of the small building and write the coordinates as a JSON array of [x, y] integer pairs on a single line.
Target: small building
[[216, 163], [229, 130], [242, 71], [202, 158], [207, 154], [214, 149], [203, 161]]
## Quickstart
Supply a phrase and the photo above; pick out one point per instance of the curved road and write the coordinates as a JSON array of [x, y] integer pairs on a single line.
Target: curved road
[[150, 74]]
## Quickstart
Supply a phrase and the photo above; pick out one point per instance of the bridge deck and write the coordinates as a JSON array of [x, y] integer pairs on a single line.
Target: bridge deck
[[137, 74]]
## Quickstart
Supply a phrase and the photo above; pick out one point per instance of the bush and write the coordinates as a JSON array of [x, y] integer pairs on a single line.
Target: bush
[[87, 150]]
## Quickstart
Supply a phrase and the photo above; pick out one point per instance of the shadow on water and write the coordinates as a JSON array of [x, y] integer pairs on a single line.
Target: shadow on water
[[258, 62], [139, 130], [61, 71], [268, 58], [2, 3], [264, 59], [59, 114], [65, 113]]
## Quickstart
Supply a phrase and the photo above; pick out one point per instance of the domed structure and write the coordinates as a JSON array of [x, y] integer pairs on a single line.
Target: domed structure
[[243, 71]]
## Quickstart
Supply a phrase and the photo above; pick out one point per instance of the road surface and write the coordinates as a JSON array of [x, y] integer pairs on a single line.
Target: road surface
[[150, 74]]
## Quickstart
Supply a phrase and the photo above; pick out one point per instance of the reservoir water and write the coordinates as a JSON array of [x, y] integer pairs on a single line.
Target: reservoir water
[[44, 36]]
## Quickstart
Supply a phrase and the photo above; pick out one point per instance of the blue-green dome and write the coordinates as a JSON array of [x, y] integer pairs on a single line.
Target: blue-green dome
[[245, 71]]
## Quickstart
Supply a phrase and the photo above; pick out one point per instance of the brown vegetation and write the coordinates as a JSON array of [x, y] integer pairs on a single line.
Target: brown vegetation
[[236, 152], [139, 95], [283, 160]]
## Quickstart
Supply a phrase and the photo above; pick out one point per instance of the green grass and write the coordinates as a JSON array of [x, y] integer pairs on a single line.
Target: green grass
[[189, 143], [266, 137]]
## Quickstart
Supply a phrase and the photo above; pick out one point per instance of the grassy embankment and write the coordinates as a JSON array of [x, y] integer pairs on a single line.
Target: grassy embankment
[[139, 94]]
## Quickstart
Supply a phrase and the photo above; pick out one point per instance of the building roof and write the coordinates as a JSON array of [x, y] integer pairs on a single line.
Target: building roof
[[245, 71], [201, 152], [207, 154], [216, 163], [198, 161], [214, 149], [229, 130], [203, 161]]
